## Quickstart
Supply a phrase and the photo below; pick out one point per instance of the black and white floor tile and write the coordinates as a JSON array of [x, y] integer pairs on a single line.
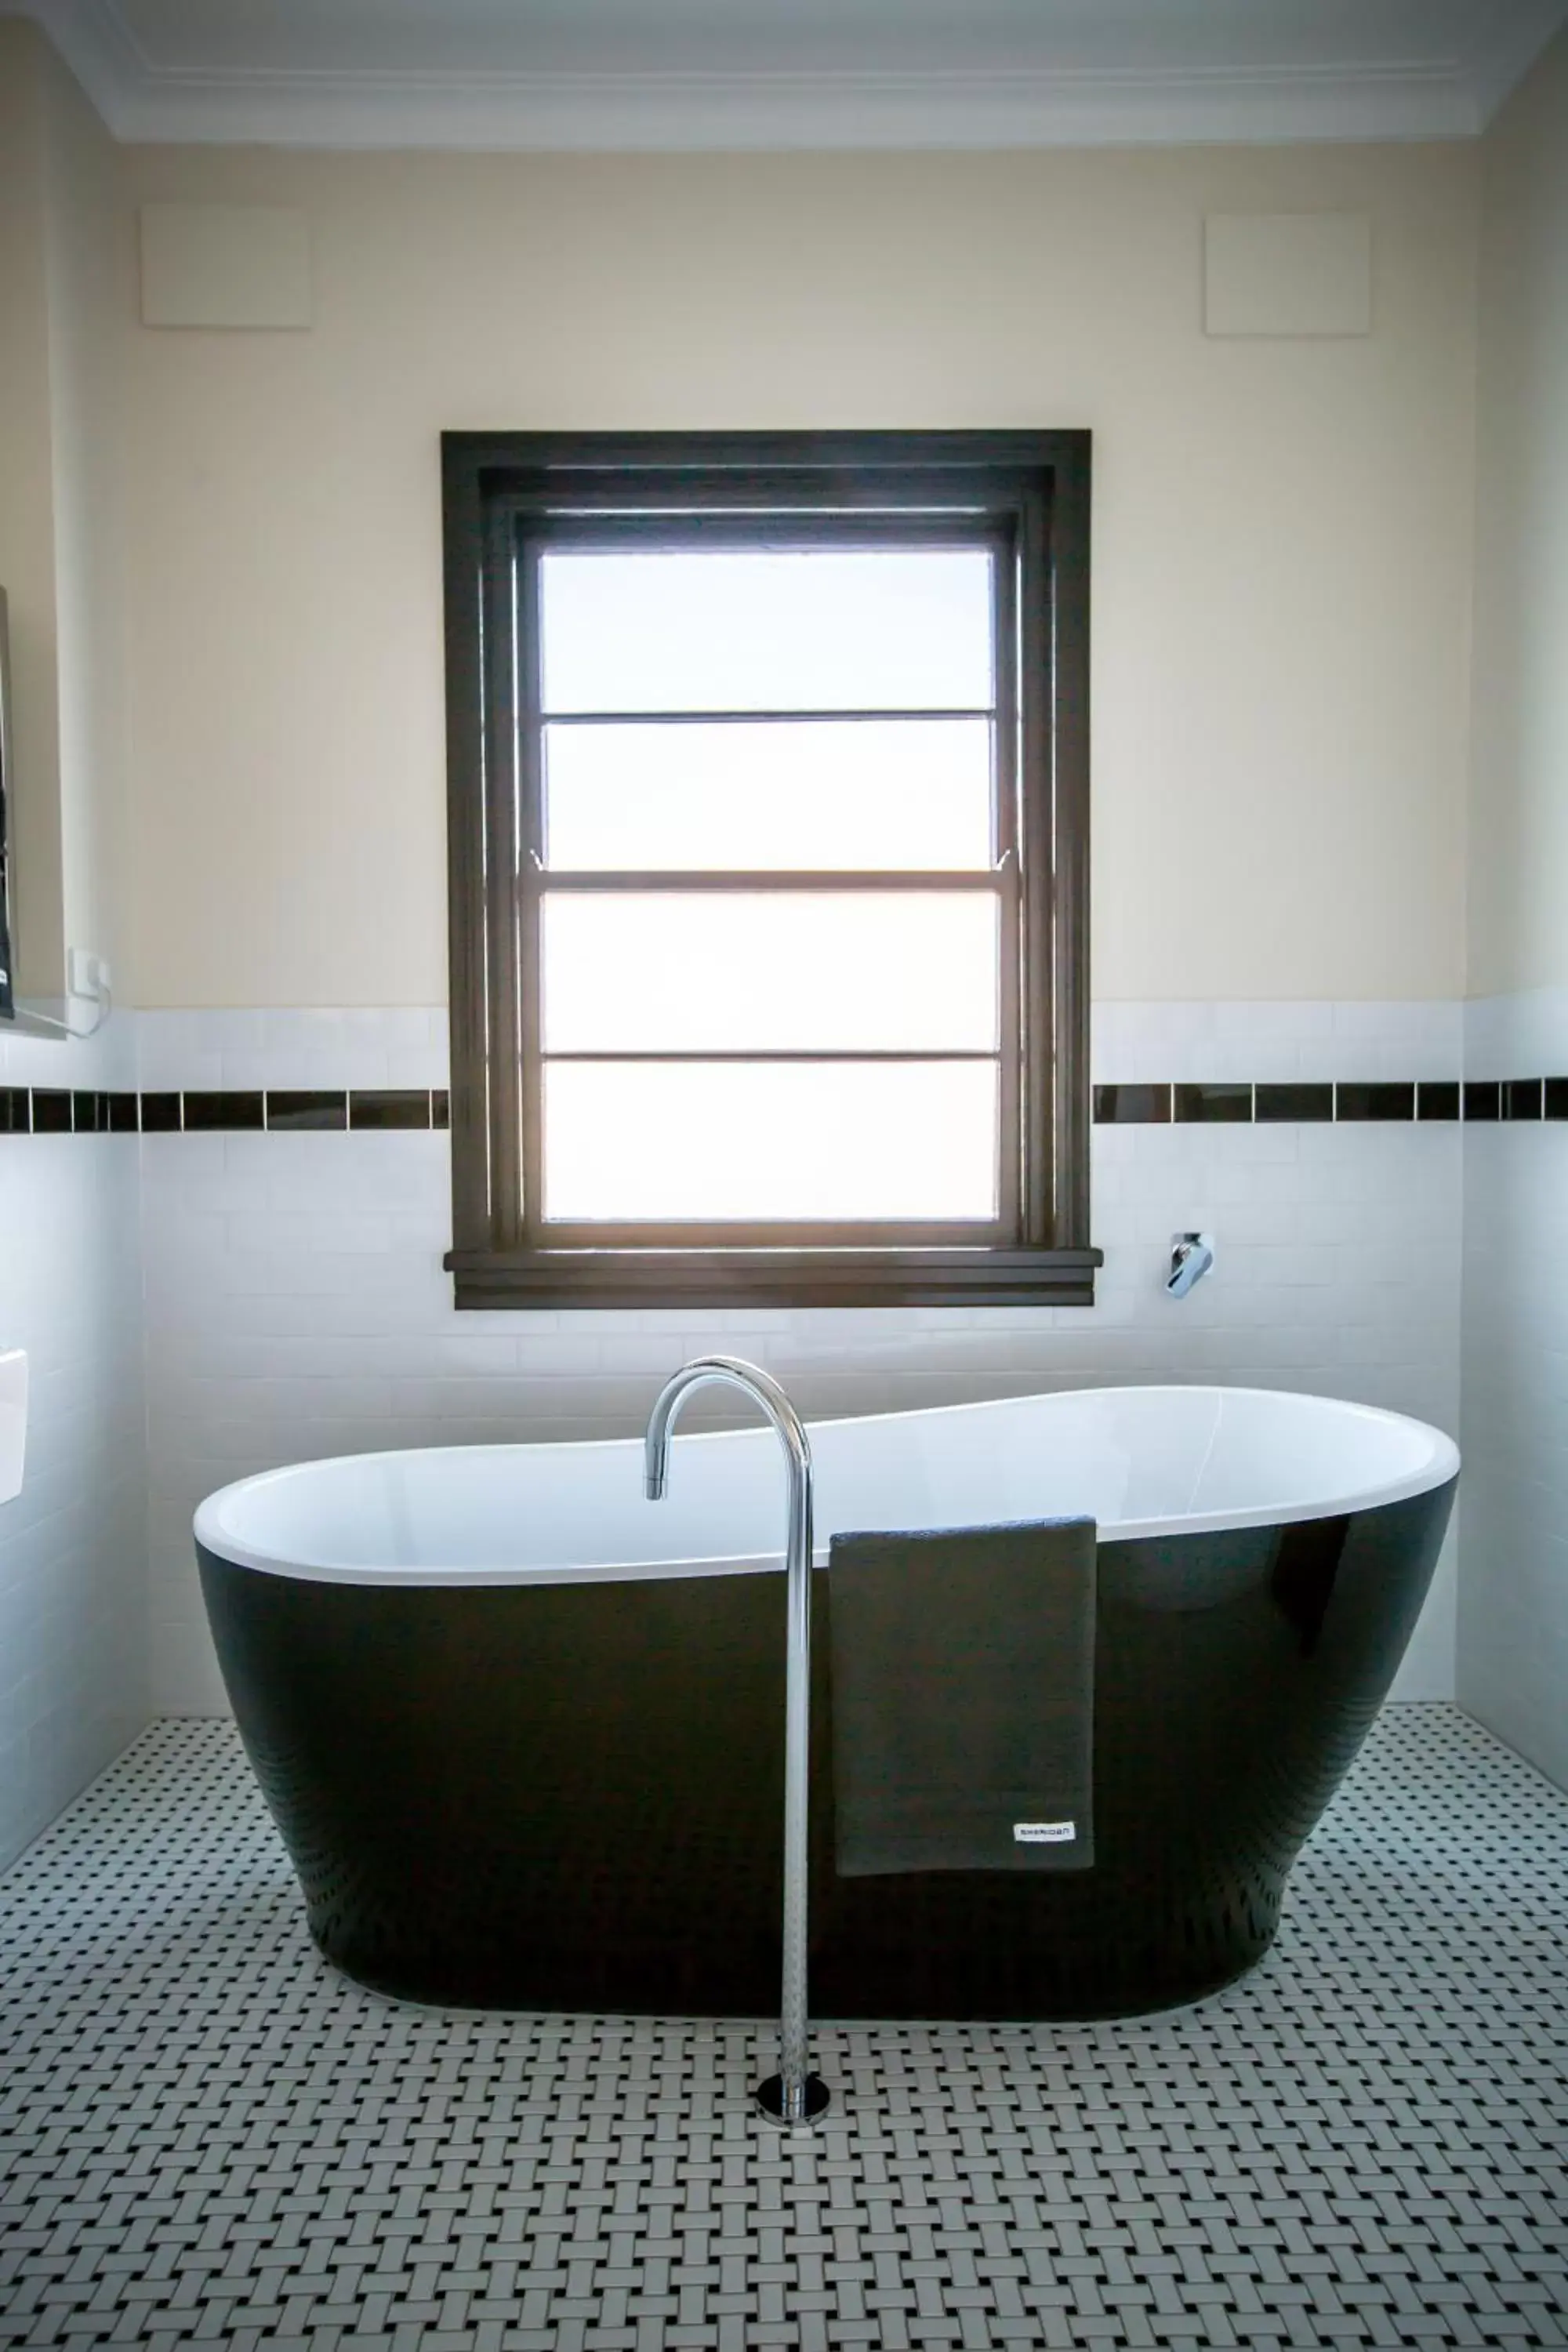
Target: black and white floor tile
[[208, 2139]]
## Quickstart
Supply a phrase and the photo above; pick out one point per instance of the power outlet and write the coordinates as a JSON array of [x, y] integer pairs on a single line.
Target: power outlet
[[87, 974]]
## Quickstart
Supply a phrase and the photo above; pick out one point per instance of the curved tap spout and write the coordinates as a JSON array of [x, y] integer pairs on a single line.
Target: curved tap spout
[[723, 1372], [794, 2095]]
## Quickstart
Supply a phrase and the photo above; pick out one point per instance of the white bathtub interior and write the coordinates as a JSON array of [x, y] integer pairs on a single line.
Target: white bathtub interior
[[1142, 1462]]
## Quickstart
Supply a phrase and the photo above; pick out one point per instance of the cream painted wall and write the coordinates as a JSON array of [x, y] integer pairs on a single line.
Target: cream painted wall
[[26, 510], [90, 258], [1518, 807], [1512, 1623], [1282, 528], [65, 290]]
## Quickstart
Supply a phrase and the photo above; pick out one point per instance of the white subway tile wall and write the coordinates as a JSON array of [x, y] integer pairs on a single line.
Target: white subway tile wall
[[296, 1303], [73, 1544], [1513, 1611], [1519, 1036], [293, 1047]]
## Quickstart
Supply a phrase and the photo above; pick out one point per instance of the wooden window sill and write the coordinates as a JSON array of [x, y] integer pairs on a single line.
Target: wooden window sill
[[794, 1277]]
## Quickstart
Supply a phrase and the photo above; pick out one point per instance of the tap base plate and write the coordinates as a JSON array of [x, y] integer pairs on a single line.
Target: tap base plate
[[768, 2098]]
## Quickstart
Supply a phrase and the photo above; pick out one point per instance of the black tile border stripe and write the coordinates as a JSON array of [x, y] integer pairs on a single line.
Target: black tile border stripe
[[222, 1108], [385, 1107], [1311, 1104], [1225, 1102], [1380, 1098], [1122, 1106], [60, 1111], [1320, 1101], [1438, 1098], [307, 1108], [1229, 1104]]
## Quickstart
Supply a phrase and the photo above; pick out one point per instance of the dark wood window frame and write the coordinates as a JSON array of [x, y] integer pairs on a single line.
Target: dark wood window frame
[[1028, 492]]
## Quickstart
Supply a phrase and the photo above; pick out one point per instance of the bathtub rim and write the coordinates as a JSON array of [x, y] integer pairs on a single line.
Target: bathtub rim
[[213, 1538]]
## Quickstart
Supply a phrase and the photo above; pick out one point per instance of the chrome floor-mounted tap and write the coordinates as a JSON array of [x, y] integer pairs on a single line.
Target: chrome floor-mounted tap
[[793, 2095]]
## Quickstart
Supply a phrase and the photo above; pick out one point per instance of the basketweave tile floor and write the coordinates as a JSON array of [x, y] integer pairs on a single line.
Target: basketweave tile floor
[[210, 2139]]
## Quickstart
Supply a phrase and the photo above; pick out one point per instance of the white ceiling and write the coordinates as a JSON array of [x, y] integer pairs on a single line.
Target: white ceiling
[[795, 73]]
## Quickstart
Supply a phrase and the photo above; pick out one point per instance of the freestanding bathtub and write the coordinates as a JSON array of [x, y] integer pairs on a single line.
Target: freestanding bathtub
[[522, 1730]]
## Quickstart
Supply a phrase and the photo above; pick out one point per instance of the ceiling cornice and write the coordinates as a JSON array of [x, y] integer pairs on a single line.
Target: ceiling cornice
[[1502, 63], [685, 112], [92, 38]]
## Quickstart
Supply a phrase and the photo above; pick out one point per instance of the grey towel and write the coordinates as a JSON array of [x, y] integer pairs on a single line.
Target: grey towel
[[963, 1698]]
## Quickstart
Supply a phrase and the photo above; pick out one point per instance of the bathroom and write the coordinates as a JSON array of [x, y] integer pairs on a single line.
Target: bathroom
[[1286, 300]]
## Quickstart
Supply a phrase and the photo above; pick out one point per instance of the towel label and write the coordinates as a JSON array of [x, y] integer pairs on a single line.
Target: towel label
[[1044, 1832]]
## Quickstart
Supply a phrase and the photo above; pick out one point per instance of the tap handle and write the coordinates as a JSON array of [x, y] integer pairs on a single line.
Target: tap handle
[[1192, 1254]]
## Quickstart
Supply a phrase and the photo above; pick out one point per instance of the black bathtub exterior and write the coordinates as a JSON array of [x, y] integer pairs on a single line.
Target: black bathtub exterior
[[570, 1797]]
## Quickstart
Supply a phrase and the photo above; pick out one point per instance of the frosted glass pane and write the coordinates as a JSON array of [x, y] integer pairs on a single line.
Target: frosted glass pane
[[905, 629], [668, 1142], [907, 971], [824, 792]]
